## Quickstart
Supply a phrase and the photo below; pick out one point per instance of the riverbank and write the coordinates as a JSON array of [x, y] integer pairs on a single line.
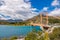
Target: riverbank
[[55, 35]]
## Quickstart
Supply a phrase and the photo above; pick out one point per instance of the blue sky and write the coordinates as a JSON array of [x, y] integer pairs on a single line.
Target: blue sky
[[25, 9], [40, 4], [50, 5]]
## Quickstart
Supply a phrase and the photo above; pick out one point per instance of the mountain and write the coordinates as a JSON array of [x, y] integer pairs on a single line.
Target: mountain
[[10, 20], [35, 19], [52, 20]]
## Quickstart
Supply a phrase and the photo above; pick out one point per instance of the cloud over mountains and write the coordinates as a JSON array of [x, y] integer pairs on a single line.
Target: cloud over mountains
[[16, 9], [22, 9], [56, 11]]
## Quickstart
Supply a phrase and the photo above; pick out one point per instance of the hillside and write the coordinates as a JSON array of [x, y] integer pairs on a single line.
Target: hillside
[[35, 19], [51, 20]]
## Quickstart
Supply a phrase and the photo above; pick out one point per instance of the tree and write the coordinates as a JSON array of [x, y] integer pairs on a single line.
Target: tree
[[46, 36], [13, 38], [31, 36]]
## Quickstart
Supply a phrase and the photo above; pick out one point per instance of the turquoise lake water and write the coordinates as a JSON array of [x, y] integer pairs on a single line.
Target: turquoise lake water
[[8, 31]]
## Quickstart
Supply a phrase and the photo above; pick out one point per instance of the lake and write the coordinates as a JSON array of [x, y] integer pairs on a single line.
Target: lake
[[8, 31]]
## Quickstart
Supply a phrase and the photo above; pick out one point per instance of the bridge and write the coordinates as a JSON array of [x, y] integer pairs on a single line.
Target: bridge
[[41, 20], [41, 24]]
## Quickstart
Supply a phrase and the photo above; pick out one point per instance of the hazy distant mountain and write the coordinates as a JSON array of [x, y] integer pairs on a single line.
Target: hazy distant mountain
[[10, 20]]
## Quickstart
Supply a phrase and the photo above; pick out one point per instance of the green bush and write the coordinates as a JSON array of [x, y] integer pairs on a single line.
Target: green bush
[[4, 39], [35, 36], [13, 38], [55, 35]]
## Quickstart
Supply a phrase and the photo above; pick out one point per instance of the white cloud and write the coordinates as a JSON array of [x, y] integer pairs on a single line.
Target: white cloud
[[55, 3], [17, 9], [55, 12], [45, 8]]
